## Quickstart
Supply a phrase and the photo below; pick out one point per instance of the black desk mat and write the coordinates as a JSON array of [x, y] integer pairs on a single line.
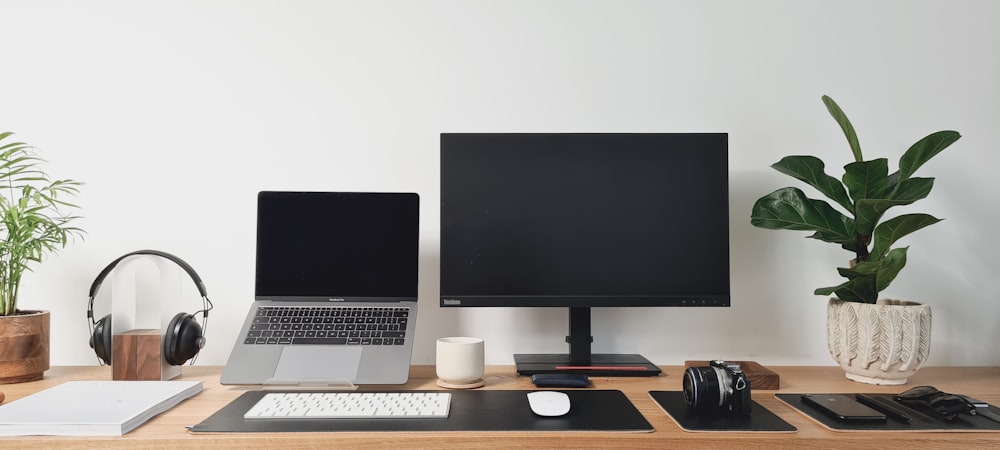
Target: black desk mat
[[471, 410], [760, 420], [920, 421]]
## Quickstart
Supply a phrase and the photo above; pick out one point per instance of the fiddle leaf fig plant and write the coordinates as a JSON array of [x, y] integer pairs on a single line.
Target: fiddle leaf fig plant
[[863, 194], [35, 218]]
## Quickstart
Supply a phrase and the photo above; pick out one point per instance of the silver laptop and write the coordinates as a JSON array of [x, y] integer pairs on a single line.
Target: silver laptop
[[335, 291]]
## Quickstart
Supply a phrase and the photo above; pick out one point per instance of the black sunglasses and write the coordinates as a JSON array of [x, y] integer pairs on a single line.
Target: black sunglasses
[[947, 406]]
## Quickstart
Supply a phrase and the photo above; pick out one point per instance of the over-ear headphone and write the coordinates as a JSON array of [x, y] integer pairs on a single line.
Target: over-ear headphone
[[183, 337]]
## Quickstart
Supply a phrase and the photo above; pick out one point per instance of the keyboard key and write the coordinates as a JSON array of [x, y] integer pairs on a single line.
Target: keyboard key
[[319, 341]]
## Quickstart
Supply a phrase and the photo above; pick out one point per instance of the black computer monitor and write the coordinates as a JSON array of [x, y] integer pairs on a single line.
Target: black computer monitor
[[583, 220]]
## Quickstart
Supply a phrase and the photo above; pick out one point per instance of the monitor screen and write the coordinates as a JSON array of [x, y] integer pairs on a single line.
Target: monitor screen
[[582, 220], [592, 220]]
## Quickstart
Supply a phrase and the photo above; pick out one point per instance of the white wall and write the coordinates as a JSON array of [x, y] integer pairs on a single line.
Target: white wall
[[175, 113]]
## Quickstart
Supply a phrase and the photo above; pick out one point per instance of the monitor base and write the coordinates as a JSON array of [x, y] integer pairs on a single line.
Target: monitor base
[[601, 364]]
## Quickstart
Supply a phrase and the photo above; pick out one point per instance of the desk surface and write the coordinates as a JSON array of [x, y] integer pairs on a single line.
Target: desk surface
[[168, 429]]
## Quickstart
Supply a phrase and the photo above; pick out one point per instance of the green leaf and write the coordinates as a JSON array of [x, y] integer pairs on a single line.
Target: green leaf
[[790, 209], [893, 229], [924, 150], [893, 181], [867, 179], [810, 169], [868, 212], [845, 125], [866, 279], [12, 147], [862, 269], [860, 289], [848, 244], [827, 290], [890, 266], [912, 189]]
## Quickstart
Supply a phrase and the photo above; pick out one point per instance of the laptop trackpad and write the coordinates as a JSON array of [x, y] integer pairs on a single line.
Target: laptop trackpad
[[319, 362]]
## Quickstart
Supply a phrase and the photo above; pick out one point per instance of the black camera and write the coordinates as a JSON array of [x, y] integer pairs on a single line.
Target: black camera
[[717, 387]]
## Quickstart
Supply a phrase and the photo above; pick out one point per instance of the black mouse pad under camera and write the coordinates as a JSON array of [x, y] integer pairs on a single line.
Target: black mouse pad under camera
[[760, 419], [472, 410]]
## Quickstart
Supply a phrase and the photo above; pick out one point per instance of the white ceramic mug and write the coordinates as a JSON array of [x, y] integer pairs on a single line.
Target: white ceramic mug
[[460, 362]]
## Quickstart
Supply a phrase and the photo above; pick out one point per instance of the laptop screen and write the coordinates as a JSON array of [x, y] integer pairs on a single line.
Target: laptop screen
[[342, 246]]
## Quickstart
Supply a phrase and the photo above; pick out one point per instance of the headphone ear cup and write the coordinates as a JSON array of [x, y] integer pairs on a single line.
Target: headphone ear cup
[[100, 341], [183, 339]]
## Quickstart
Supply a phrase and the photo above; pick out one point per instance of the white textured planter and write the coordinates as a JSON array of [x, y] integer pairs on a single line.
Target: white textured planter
[[881, 343]]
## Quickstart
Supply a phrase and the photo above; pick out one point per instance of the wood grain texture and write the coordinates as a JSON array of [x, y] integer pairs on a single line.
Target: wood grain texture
[[136, 355], [24, 347], [168, 430], [761, 378]]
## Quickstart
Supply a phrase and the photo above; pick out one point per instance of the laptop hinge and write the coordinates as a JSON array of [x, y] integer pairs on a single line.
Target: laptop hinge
[[284, 384]]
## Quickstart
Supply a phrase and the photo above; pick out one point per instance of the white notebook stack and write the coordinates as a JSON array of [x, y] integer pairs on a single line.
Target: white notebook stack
[[92, 408]]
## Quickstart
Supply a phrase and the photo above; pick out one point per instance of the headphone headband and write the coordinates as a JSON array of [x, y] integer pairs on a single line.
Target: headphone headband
[[180, 262]]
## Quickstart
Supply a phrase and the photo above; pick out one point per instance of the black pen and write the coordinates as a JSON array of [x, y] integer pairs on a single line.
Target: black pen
[[886, 407]]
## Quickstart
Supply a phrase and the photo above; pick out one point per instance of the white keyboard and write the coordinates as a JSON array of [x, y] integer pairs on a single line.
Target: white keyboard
[[350, 405]]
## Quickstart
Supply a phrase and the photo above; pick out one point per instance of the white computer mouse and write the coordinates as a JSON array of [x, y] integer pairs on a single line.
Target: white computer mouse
[[548, 403]]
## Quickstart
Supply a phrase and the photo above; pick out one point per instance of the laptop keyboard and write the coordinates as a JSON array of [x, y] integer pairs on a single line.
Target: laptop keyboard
[[350, 405], [328, 325]]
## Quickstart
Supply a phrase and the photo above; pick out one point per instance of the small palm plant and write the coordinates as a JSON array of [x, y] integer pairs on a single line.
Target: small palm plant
[[34, 215], [866, 191]]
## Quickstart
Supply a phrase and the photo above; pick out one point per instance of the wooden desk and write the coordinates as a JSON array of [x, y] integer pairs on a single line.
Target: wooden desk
[[168, 430]]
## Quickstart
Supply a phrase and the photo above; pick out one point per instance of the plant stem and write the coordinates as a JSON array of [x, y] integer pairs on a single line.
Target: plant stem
[[861, 250]]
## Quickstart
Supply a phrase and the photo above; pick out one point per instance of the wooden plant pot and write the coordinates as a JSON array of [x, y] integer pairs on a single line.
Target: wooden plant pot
[[882, 343], [24, 346]]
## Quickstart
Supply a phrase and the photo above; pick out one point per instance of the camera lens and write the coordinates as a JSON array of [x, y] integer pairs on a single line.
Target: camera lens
[[705, 387]]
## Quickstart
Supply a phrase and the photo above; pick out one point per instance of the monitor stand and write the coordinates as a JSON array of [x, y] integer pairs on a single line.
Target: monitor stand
[[580, 359]]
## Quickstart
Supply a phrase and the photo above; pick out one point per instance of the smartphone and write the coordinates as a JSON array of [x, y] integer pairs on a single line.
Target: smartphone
[[842, 407], [889, 407]]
